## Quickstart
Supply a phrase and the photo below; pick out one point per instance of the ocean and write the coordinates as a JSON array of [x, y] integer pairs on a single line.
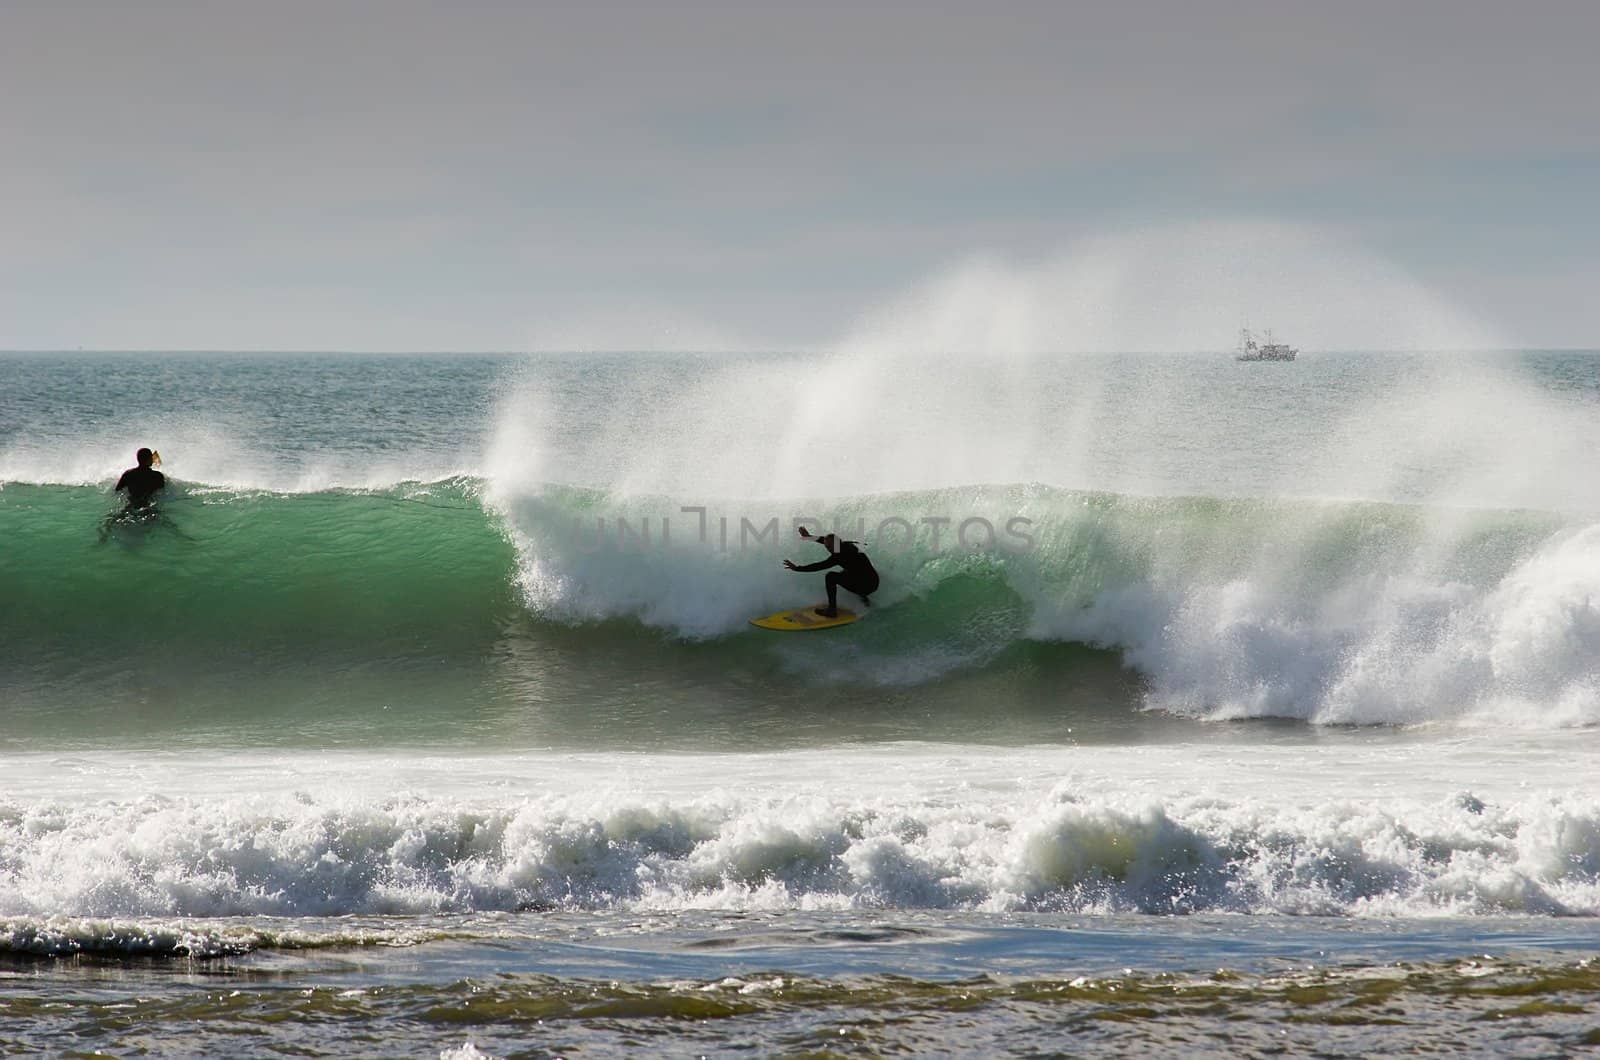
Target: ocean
[[1205, 707]]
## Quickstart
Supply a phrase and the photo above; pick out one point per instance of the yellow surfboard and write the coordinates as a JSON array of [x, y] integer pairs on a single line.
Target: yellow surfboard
[[804, 618]]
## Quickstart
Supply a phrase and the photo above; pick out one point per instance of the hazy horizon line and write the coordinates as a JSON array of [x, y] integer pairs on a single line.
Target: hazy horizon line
[[200, 351]]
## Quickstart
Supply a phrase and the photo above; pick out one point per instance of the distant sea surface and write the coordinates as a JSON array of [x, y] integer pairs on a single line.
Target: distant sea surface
[[1205, 706]]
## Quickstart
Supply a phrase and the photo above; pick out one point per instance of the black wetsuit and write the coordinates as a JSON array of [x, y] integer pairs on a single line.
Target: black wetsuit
[[141, 485], [857, 575]]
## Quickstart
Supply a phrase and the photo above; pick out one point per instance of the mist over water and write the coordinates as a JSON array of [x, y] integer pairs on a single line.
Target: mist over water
[[996, 373], [1354, 538]]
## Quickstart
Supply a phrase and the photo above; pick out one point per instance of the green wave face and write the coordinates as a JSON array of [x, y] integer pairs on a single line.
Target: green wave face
[[247, 617], [259, 573]]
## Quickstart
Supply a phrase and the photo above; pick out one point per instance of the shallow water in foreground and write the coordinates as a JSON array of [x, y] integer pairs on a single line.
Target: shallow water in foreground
[[836, 984]]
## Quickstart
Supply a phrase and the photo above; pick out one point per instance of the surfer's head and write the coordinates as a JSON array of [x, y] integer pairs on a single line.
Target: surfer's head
[[145, 457], [829, 542]]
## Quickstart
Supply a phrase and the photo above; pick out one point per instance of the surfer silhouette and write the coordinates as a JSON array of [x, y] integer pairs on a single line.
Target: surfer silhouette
[[142, 483], [139, 486], [856, 573]]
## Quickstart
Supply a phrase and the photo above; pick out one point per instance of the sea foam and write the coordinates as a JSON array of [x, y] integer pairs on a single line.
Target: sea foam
[[1229, 830]]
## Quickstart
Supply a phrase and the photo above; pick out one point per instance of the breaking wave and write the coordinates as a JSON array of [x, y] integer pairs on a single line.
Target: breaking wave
[[1329, 612]]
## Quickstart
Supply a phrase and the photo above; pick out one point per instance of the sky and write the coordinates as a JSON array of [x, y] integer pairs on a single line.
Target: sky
[[513, 176]]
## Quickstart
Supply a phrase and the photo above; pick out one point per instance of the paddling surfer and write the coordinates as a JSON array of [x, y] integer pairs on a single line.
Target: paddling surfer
[[138, 487], [856, 573], [142, 483]]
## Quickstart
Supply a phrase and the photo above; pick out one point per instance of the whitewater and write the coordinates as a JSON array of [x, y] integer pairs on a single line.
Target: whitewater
[[437, 669]]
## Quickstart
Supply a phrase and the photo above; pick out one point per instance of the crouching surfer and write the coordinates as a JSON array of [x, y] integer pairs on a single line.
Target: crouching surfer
[[856, 573]]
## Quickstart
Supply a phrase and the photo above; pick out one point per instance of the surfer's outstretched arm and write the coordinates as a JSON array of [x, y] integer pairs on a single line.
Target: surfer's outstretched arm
[[825, 540]]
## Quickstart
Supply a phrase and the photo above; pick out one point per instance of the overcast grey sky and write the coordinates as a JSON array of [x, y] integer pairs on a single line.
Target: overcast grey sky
[[510, 176]]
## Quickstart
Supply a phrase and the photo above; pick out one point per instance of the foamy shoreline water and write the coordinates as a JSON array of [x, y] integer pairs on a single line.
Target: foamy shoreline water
[[875, 981], [1378, 827]]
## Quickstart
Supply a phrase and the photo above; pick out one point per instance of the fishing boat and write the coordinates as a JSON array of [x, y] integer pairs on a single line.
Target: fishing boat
[[1265, 350]]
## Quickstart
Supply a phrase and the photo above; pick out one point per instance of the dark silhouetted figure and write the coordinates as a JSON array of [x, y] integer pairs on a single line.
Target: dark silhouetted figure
[[141, 483], [856, 573]]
